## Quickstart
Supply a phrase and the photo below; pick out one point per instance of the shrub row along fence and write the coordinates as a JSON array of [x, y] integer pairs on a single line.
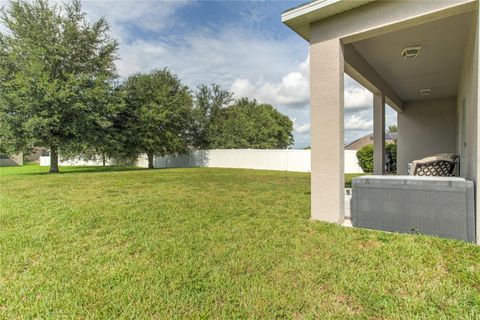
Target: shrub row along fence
[[281, 160]]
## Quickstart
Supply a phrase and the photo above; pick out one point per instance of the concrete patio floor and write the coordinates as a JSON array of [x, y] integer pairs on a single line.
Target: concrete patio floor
[[348, 198]]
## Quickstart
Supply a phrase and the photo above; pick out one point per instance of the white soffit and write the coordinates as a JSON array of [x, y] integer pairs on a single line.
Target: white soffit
[[299, 18], [438, 64]]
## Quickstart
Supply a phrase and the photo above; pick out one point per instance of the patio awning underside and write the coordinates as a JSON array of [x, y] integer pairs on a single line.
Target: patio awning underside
[[377, 62]]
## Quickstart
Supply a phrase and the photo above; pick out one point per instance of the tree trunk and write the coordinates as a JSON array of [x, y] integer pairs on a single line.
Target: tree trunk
[[150, 160], [53, 159], [104, 160]]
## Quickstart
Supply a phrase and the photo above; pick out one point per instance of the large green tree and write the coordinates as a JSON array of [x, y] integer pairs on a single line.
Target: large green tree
[[249, 124], [158, 115], [108, 142], [208, 103], [56, 72]]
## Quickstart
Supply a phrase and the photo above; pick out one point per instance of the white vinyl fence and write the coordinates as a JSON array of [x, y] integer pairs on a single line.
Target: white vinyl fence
[[281, 160], [351, 162], [97, 161]]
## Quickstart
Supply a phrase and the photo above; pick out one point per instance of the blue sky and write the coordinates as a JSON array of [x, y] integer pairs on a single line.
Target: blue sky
[[241, 45]]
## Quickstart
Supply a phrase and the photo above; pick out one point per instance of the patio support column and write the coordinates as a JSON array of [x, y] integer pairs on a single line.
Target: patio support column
[[326, 122], [476, 101], [378, 134]]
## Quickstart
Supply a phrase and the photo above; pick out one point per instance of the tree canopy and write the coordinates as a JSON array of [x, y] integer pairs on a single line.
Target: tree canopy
[[249, 124], [157, 116], [208, 103], [59, 89], [56, 75]]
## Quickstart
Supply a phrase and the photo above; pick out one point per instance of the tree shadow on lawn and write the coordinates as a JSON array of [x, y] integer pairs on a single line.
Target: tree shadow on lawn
[[78, 169], [95, 169]]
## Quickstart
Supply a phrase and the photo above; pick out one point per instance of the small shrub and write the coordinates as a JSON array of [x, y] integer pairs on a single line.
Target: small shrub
[[365, 158], [391, 152]]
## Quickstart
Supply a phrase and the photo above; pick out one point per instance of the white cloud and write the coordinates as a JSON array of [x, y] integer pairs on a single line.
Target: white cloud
[[139, 56], [125, 16], [358, 122], [292, 91], [243, 88], [356, 97], [304, 128], [226, 57], [300, 128], [390, 116], [357, 125]]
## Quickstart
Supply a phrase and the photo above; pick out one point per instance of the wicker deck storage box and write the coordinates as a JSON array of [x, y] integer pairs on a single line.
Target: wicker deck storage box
[[440, 206]]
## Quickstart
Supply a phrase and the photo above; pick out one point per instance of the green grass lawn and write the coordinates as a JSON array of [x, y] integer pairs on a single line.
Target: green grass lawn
[[349, 177], [210, 243]]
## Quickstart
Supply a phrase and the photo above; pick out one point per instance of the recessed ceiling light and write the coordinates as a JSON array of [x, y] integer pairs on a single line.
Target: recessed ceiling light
[[411, 52], [426, 91]]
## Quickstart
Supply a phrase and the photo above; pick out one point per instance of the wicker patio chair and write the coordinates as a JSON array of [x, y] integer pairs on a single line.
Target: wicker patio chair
[[436, 166]]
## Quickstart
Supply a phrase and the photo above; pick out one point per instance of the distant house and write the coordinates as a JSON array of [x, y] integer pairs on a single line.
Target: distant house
[[35, 154], [6, 161], [368, 139]]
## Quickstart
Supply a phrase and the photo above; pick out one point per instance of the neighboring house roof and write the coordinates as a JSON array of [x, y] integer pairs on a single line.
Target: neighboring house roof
[[391, 136], [299, 18], [368, 139]]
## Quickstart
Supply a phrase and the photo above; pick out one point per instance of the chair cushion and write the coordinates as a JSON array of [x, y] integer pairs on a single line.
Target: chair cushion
[[447, 155]]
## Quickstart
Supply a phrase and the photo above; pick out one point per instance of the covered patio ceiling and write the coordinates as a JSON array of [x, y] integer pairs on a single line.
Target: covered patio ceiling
[[437, 66]]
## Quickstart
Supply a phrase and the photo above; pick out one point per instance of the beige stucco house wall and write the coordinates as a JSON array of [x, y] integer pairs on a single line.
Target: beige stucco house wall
[[426, 128], [364, 39], [467, 92]]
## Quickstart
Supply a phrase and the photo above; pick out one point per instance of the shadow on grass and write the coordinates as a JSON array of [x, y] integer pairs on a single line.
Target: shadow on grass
[[93, 169], [38, 170]]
